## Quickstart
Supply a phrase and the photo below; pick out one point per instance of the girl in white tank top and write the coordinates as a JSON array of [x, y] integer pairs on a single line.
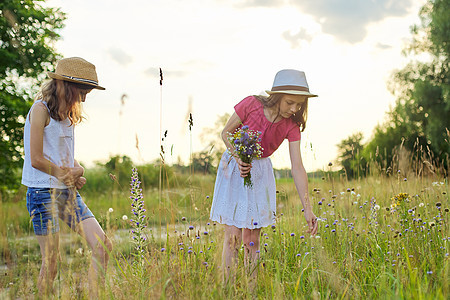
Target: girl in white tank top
[[53, 175]]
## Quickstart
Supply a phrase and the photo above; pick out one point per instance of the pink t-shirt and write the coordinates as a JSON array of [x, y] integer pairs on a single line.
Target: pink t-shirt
[[251, 112]]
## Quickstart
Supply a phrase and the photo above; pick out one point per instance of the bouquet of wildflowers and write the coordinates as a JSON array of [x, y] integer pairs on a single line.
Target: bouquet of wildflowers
[[247, 145]]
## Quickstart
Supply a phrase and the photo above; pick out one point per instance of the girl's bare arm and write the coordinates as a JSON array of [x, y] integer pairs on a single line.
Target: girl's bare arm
[[38, 120], [231, 126], [301, 183]]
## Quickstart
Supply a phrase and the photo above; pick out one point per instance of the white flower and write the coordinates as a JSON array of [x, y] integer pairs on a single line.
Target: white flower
[[124, 217], [317, 236], [79, 251], [353, 193], [421, 204], [376, 207], [110, 210]]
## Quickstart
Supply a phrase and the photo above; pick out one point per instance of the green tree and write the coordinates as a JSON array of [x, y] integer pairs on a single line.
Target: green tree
[[28, 31], [420, 119], [201, 162], [350, 155]]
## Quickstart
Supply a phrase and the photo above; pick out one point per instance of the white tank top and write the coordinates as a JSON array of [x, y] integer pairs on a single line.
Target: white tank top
[[58, 147]]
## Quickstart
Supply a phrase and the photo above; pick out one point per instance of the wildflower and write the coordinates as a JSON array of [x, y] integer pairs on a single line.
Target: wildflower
[[360, 260], [189, 251], [429, 272], [251, 244], [163, 249], [79, 251], [257, 251], [183, 219], [255, 223], [376, 207], [137, 204], [205, 233], [124, 217], [302, 236], [110, 210], [191, 227], [421, 205], [298, 254], [292, 234]]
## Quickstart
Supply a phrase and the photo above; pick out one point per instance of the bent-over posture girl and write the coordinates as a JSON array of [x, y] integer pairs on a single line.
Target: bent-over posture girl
[[53, 176], [244, 211]]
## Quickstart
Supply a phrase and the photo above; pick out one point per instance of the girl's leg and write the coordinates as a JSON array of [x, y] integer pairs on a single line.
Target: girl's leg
[[49, 245], [231, 243], [100, 246], [250, 239]]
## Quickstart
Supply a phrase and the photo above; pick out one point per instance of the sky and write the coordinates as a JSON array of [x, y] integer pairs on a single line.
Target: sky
[[214, 53]]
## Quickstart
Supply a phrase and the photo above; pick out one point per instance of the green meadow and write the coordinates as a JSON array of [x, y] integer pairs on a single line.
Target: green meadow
[[380, 237]]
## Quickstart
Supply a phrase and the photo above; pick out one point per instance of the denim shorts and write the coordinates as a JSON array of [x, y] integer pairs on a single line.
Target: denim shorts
[[46, 205]]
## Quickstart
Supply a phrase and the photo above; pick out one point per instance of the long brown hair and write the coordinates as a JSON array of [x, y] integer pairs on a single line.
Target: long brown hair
[[63, 99], [299, 117]]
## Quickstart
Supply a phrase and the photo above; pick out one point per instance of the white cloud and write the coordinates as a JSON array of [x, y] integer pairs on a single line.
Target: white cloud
[[297, 39], [348, 19], [383, 46], [119, 56]]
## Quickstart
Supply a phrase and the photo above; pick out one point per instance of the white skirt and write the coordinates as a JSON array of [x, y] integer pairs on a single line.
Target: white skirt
[[240, 206]]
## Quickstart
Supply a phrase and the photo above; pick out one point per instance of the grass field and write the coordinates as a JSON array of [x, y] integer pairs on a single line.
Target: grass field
[[379, 238]]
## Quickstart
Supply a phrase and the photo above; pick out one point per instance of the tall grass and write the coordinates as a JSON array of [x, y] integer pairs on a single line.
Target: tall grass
[[372, 243]]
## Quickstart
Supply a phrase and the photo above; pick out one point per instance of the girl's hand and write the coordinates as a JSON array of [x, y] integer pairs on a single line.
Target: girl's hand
[[311, 219], [244, 168], [70, 176], [80, 182]]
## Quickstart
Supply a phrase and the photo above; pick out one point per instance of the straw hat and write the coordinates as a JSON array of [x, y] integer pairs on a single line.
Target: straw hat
[[290, 82], [78, 70]]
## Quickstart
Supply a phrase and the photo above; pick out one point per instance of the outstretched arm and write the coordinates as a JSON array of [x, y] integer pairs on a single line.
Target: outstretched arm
[[231, 126], [301, 183]]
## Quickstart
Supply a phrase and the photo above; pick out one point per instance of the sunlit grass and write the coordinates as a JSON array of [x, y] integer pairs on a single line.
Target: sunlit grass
[[365, 248]]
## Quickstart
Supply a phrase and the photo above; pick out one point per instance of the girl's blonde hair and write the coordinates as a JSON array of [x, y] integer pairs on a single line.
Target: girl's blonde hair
[[299, 117], [63, 99]]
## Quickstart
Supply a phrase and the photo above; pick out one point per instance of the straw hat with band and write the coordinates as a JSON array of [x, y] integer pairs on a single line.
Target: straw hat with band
[[290, 82], [78, 70]]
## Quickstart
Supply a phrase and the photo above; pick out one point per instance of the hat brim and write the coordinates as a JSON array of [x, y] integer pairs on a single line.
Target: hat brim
[[57, 76], [292, 92]]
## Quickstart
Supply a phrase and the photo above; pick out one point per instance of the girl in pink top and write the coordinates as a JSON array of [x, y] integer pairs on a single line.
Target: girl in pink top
[[244, 211]]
